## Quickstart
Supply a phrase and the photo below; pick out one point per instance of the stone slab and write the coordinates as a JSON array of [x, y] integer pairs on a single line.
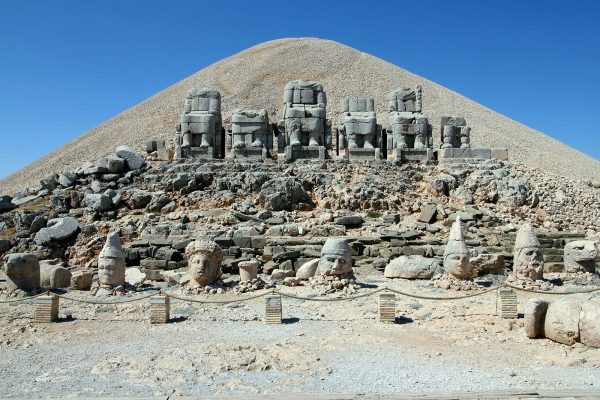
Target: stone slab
[[362, 154], [293, 153]]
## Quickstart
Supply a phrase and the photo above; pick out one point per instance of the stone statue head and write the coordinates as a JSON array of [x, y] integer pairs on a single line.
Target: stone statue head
[[336, 257], [204, 261], [456, 255], [111, 262], [580, 256], [528, 261]]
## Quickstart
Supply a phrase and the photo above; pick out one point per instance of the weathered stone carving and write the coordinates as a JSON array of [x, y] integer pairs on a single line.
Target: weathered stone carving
[[455, 133], [22, 271], [528, 261], [580, 256], [456, 255], [336, 257], [412, 267], [304, 118], [408, 127], [358, 123], [565, 321], [204, 261], [251, 134], [54, 276], [111, 262], [200, 129]]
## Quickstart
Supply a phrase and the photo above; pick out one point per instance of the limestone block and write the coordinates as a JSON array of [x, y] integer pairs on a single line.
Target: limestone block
[[113, 164], [98, 202], [562, 321], [81, 280], [53, 276], [134, 161], [58, 229], [412, 267], [248, 270], [22, 271], [499, 154], [308, 269], [134, 276], [589, 325], [535, 316]]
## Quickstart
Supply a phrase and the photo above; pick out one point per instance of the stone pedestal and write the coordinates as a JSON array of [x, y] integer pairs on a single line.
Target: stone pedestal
[[46, 309], [411, 155], [250, 153], [273, 312], [200, 153], [293, 153], [248, 270], [160, 307], [484, 154], [387, 308], [362, 154], [507, 303]]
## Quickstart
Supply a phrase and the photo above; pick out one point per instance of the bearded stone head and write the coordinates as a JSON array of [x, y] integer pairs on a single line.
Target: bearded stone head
[[336, 257], [528, 260], [204, 261]]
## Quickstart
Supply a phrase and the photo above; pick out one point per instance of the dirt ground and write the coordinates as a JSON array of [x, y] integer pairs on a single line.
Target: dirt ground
[[322, 347]]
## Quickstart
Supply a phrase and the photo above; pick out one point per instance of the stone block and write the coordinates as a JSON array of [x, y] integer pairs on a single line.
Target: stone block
[[499, 154], [428, 213], [46, 309], [273, 309], [293, 153], [507, 303], [160, 309], [386, 308]]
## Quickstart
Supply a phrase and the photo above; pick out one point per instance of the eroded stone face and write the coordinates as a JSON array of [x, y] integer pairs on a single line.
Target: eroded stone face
[[529, 263], [204, 260], [580, 256], [528, 260], [336, 257], [457, 265], [22, 271], [111, 262]]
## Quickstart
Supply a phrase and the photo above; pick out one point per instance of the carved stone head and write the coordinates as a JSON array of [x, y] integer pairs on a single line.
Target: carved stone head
[[204, 261], [580, 256], [111, 262], [456, 255], [528, 261], [336, 257]]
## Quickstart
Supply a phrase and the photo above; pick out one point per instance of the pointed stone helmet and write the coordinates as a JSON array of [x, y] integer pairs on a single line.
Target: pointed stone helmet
[[112, 248], [526, 238], [456, 241], [337, 246]]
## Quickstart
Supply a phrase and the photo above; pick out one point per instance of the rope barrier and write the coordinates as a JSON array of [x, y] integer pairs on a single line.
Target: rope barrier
[[554, 293], [23, 298], [417, 296], [191, 300], [329, 299], [62, 296]]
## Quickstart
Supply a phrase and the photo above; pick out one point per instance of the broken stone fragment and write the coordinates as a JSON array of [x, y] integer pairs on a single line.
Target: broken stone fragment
[[58, 229], [22, 271], [412, 267]]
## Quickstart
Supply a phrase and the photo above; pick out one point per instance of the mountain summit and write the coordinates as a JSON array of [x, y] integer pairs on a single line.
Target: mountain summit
[[255, 78]]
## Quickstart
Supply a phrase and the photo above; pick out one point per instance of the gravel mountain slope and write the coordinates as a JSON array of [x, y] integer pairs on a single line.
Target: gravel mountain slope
[[255, 78]]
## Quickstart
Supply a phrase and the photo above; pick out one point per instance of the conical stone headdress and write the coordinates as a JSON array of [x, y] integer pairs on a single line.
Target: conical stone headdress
[[526, 238], [112, 248], [456, 242], [336, 246]]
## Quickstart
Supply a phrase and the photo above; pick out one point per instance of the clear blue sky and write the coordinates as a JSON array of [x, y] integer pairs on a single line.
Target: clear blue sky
[[67, 66]]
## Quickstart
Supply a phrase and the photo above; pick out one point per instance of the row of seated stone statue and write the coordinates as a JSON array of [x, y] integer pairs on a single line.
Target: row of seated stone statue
[[305, 131]]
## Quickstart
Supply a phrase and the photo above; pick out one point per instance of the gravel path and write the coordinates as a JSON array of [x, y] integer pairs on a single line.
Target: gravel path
[[452, 346], [256, 77]]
